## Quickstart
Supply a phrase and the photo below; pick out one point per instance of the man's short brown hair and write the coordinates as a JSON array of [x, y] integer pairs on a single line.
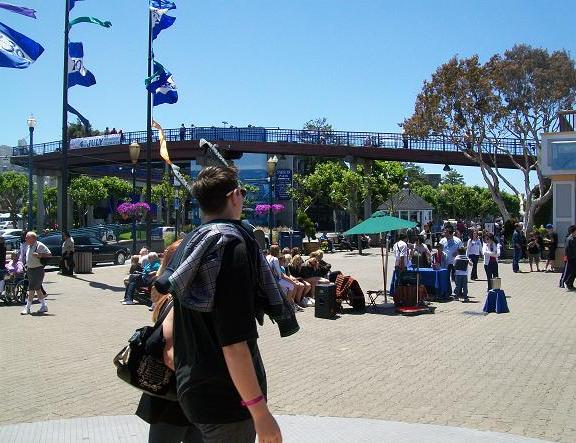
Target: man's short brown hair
[[212, 185]]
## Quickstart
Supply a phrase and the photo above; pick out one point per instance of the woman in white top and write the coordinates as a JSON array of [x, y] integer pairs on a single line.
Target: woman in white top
[[284, 282], [491, 251], [473, 250]]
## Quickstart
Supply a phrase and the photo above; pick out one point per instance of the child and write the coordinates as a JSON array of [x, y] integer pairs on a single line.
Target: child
[[534, 253], [461, 262], [439, 258]]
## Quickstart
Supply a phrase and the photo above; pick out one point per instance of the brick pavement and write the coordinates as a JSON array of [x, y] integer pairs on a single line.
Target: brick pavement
[[505, 373]]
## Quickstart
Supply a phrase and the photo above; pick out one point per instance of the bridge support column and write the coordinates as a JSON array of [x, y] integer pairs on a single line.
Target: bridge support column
[[90, 215], [40, 210]]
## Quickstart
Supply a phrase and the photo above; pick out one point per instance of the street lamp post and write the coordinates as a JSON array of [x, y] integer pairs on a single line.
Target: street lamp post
[[31, 126], [271, 166], [177, 204], [134, 151]]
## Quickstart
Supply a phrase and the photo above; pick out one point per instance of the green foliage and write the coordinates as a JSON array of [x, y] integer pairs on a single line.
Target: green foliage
[[14, 193], [163, 190], [169, 238], [86, 191], [51, 203], [77, 130], [116, 187], [187, 228], [516, 94], [318, 124], [453, 177], [306, 224]]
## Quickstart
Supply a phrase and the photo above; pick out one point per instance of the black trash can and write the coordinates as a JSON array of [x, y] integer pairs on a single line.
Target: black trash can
[[325, 301]]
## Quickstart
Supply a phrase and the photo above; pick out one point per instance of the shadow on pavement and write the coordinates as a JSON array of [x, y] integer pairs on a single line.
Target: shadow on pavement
[[105, 286]]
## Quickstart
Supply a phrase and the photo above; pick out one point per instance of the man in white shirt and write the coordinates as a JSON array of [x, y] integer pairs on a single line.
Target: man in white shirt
[[451, 245], [400, 250], [32, 252]]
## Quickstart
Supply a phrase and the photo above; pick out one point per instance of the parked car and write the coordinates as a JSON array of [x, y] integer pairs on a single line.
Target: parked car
[[103, 252], [161, 232], [12, 242], [11, 232]]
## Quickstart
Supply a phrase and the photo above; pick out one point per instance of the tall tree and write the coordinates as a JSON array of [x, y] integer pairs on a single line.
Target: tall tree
[[14, 193], [453, 177], [78, 130], [532, 85], [51, 204], [86, 191], [514, 95], [314, 131], [116, 187]]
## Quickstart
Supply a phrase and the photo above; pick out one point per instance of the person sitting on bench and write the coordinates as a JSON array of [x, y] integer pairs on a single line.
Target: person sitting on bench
[[136, 281]]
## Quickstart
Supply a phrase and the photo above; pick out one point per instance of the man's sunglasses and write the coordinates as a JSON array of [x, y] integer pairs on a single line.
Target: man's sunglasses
[[242, 191]]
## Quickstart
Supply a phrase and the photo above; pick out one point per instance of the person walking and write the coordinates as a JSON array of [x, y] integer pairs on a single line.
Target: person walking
[[67, 262], [518, 241], [33, 253], [451, 245], [490, 253], [182, 132], [552, 241], [461, 263], [570, 252], [219, 371], [473, 251]]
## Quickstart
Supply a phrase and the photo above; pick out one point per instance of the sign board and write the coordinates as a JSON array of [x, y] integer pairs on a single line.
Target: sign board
[[283, 183], [95, 142]]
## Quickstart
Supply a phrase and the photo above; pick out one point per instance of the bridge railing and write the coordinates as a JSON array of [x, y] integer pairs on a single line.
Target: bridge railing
[[358, 140]]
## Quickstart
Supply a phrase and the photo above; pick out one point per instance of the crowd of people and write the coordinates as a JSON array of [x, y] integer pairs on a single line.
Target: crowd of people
[[459, 250]]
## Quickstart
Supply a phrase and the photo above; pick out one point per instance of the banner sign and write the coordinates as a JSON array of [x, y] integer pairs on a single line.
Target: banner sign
[[95, 142], [283, 183]]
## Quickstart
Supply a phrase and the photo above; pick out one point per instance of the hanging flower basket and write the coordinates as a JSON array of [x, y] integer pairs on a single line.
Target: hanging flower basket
[[133, 210], [264, 209]]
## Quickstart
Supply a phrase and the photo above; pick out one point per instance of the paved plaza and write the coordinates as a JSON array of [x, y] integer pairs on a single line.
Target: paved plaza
[[509, 373]]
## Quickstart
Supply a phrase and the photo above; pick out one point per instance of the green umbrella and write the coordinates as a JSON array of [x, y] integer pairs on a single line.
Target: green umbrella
[[379, 223]]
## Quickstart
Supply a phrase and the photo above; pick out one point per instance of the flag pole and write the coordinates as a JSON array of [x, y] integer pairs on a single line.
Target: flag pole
[[149, 137], [64, 184]]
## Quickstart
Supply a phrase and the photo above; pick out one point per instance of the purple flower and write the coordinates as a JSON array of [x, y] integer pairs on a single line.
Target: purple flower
[[133, 209]]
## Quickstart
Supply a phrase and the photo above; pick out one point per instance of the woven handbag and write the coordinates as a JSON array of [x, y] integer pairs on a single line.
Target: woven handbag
[[141, 364]]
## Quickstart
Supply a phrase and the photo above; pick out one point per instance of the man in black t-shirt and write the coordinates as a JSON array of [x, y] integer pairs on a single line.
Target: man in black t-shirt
[[220, 376]]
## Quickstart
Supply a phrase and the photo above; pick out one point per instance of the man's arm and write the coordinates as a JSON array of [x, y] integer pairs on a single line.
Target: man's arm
[[241, 369]]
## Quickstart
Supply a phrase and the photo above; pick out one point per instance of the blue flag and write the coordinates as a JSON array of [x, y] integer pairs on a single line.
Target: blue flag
[[162, 85], [77, 73], [162, 4], [17, 50], [160, 21], [28, 12], [73, 2]]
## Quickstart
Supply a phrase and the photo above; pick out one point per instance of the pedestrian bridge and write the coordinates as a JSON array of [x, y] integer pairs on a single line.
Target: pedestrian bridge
[[184, 146]]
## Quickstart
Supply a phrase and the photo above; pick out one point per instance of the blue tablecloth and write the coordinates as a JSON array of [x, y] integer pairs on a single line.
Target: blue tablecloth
[[436, 279], [496, 302]]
